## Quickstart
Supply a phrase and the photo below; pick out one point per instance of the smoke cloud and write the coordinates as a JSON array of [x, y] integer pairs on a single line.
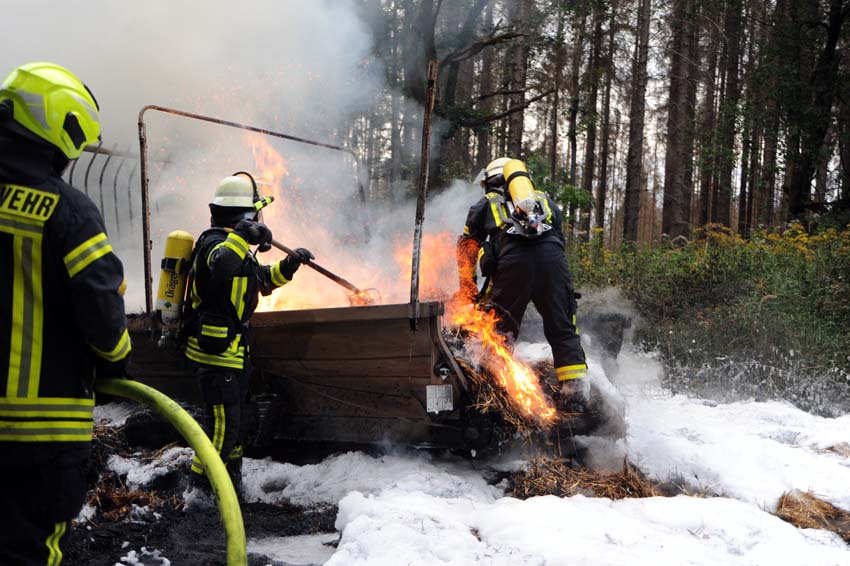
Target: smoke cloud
[[302, 68]]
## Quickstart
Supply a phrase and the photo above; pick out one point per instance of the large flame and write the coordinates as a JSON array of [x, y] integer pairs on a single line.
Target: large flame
[[519, 380], [437, 276]]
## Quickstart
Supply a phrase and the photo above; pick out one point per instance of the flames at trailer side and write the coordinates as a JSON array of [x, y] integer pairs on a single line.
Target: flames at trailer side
[[293, 223]]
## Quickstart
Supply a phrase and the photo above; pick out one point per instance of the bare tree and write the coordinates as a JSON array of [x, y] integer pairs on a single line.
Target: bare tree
[[634, 159]]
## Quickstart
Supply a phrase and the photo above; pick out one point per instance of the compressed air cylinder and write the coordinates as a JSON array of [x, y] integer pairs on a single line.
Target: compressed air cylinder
[[520, 186], [172, 278]]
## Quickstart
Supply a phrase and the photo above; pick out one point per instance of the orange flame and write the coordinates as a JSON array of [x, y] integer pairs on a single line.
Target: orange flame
[[519, 380], [438, 279], [437, 266], [269, 166]]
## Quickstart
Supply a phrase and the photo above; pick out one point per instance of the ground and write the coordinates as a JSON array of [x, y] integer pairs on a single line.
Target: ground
[[409, 507]]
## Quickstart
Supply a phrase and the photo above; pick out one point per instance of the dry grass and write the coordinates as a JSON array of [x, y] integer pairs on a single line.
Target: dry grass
[[117, 502], [805, 510], [556, 477], [110, 496]]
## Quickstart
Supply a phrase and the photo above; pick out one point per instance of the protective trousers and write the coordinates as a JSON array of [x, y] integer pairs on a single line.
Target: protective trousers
[[538, 272], [227, 414], [38, 504]]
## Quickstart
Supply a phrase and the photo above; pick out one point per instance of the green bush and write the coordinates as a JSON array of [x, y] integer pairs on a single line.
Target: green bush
[[766, 317]]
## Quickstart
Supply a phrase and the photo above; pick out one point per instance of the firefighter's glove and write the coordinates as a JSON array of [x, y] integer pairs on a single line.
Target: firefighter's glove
[[575, 395], [303, 255], [290, 264], [255, 233]]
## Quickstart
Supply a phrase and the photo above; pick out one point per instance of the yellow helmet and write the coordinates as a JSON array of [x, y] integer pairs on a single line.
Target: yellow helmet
[[50, 102]]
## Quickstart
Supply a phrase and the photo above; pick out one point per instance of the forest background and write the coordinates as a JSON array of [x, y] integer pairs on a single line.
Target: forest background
[[700, 149]]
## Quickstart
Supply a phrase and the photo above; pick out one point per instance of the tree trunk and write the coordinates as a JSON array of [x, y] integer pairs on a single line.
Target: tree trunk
[[819, 112], [675, 216], [602, 188], [395, 108], [749, 132], [708, 116], [521, 10], [591, 116], [689, 137], [556, 96], [634, 160], [575, 97], [487, 85], [728, 114]]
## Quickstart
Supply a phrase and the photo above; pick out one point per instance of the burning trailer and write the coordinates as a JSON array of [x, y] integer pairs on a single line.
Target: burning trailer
[[423, 373]]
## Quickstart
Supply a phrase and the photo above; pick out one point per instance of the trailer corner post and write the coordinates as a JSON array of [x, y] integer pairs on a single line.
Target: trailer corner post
[[433, 67], [146, 215]]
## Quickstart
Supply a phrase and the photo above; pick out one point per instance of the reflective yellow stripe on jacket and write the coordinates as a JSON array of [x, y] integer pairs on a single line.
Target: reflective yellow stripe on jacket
[[119, 352], [233, 357], [24, 416], [45, 419], [497, 208], [87, 253], [277, 277]]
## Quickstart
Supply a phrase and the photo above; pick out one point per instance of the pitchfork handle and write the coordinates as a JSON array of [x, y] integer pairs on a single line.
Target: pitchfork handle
[[332, 276]]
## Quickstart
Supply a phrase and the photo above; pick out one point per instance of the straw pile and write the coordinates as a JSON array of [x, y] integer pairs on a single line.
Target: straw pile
[[489, 398], [805, 510], [556, 477]]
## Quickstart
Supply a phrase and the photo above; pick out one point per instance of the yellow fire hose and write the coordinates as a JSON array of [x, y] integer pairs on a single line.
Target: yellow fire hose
[[228, 505]]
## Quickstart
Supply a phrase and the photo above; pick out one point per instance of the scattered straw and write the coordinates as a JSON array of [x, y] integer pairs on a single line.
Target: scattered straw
[[805, 510], [117, 503], [556, 477]]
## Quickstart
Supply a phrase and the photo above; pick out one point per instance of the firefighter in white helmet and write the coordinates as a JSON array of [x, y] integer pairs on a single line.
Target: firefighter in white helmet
[[515, 233], [224, 285]]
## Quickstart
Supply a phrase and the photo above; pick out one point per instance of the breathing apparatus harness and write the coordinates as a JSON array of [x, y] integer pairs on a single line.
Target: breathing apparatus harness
[[523, 203], [177, 271]]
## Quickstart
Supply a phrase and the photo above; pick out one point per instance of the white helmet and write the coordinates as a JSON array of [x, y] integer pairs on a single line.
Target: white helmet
[[235, 191], [489, 176]]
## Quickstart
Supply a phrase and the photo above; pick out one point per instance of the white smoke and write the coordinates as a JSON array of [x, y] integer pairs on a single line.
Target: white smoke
[[303, 68]]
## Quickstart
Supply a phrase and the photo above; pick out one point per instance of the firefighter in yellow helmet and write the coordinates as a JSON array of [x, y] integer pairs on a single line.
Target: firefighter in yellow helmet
[[62, 320], [514, 232], [224, 287]]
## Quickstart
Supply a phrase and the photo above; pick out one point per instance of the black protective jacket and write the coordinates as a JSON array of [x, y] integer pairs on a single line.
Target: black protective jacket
[[488, 221], [226, 281], [61, 314]]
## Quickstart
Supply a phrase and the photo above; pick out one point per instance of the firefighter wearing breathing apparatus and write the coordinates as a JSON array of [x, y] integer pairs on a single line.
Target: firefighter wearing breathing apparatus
[[223, 291], [62, 320], [515, 234]]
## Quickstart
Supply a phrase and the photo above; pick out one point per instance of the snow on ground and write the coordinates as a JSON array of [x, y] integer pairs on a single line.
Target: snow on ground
[[414, 528], [753, 451], [299, 550], [335, 477], [442, 513], [140, 473], [415, 508], [113, 414]]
